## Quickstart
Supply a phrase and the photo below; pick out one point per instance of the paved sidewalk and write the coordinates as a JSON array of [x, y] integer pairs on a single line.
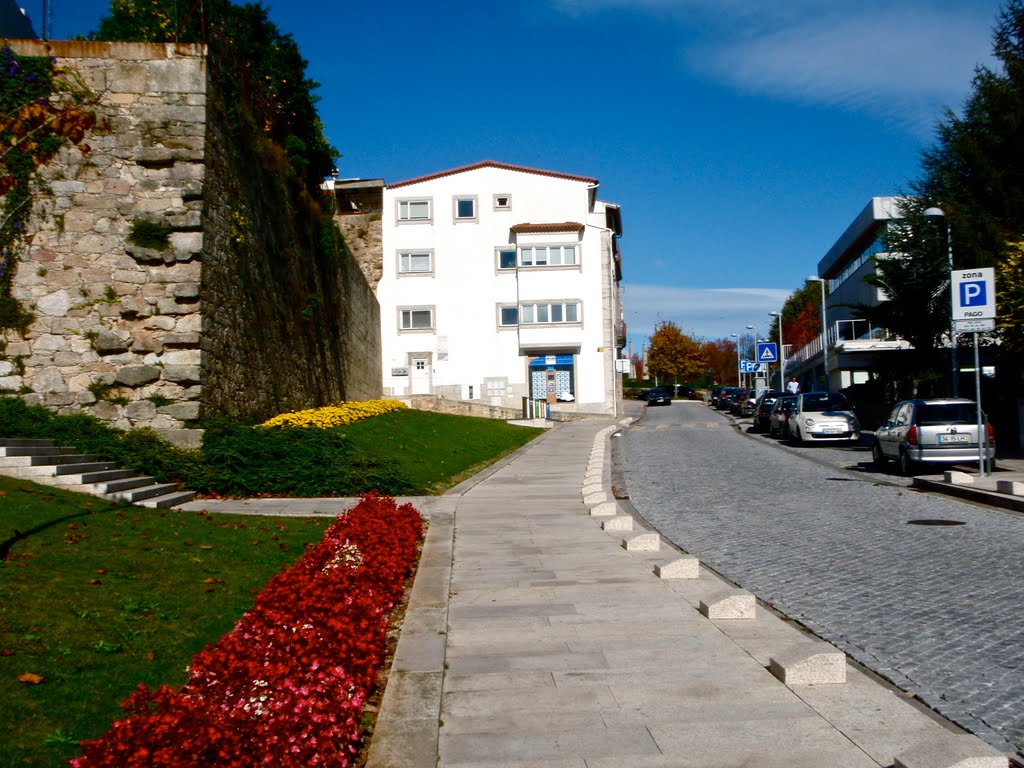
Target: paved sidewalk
[[535, 638]]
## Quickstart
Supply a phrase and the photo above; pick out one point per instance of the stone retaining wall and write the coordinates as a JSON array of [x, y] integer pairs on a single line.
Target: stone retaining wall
[[211, 323]]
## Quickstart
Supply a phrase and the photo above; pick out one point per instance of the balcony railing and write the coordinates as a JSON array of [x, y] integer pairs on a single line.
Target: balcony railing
[[838, 333]]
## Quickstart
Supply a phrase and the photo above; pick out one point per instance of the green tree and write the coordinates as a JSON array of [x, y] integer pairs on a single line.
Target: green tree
[[674, 356], [914, 277], [259, 68], [975, 173]]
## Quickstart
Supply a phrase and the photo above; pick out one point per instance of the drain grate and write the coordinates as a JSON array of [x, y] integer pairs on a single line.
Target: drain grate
[[936, 522]]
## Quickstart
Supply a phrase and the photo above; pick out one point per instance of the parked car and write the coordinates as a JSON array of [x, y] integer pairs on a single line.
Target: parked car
[[939, 431], [779, 417], [748, 403], [763, 410], [736, 401], [659, 396], [717, 394], [727, 398], [823, 416], [642, 394]]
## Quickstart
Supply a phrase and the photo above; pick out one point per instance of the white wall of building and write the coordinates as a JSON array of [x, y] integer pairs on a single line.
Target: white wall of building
[[467, 352]]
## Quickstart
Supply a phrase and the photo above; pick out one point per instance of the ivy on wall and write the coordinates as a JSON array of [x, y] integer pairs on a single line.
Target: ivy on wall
[[42, 108]]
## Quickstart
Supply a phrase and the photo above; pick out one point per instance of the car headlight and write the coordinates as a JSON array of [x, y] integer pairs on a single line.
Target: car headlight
[[809, 422]]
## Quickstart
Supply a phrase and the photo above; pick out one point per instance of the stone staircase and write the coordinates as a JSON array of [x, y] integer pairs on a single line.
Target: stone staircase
[[43, 462]]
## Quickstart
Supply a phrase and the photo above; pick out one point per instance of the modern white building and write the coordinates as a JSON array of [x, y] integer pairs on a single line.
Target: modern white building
[[501, 282], [853, 349]]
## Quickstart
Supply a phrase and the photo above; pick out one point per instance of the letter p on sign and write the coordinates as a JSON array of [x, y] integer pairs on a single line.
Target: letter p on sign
[[972, 294]]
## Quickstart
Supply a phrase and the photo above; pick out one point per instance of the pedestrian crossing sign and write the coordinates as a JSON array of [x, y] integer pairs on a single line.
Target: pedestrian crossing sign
[[767, 352]]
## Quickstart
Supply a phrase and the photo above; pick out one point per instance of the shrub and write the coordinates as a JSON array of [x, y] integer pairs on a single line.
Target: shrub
[[243, 461]]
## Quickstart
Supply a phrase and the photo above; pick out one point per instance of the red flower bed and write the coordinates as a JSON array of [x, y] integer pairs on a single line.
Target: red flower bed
[[286, 687]]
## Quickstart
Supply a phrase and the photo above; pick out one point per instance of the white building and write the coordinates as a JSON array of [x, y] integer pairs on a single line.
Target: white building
[[501, 282], [854, 349]]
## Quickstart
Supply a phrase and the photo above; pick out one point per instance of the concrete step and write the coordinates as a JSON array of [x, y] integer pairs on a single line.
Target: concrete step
[[129, 482], [14, 442], [168, 500], [82, 468], [33, 450], [136, 495], [43, 462]]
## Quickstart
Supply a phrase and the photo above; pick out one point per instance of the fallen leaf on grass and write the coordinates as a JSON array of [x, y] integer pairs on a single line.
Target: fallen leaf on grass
[[205, 546], [6, 652], [3, 493], [95, 581], [30, 678], [101, 570], [210, 589], [213, 580]]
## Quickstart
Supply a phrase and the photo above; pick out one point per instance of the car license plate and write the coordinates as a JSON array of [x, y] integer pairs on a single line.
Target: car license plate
[[955, 438], [831, 429]]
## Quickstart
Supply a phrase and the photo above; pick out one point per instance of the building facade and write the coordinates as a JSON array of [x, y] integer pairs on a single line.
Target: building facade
[[501, 282], [853, 348]]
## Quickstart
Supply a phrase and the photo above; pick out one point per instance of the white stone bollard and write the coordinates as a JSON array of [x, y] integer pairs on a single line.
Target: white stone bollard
[[732, 604], [809, 663], [686, 567]]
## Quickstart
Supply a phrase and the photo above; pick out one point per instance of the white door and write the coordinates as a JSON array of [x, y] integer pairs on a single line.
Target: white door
[[419, 375]]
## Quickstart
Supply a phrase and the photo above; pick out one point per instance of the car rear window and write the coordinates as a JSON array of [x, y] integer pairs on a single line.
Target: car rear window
[[934, 414], [825, 401]]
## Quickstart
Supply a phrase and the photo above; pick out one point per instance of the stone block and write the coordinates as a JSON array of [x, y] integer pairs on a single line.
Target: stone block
[[595, 498], [644, 542], [686, 567], [108, 342], [618, 523], [952, 750], [811, 662], [729, 604], [137, 375], [958, 478], [183, 411], [1012, 487], [592, 488], [183, 374], [606, 509]]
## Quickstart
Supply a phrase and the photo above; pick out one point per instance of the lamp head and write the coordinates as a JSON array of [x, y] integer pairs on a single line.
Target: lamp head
[[933, 213]]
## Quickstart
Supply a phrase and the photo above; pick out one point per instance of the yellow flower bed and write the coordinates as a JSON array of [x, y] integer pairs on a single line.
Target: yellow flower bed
[[335, 415]]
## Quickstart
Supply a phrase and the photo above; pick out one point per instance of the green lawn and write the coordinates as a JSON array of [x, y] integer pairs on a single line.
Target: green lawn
[[435, 451], [96, 598]]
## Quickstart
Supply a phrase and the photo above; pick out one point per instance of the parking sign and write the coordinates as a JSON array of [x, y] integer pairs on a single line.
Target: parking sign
[[974, 294]]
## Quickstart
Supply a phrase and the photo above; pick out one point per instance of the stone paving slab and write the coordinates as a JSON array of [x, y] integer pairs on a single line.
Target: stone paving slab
[[562, 649]]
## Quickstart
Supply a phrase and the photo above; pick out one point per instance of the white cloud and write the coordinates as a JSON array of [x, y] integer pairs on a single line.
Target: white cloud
[[905, 64], [712, 313], [903, 59]]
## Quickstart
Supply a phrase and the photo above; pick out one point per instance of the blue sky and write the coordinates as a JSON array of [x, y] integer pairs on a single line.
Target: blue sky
[[740, 137]]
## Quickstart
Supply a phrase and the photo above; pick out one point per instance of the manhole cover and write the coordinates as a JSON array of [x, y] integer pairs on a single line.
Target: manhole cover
[[936, 522]]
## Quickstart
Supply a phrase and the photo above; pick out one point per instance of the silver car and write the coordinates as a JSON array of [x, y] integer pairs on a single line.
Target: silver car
[[821, 416], [940, 431]]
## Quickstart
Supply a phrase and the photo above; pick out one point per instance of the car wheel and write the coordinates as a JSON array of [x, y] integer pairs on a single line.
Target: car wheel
[[877, 456], [907, 465]]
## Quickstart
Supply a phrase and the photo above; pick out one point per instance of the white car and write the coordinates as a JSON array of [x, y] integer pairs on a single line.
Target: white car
[[823, 416]]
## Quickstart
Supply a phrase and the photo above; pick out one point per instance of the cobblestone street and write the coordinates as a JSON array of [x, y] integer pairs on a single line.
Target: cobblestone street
[[820, 535]]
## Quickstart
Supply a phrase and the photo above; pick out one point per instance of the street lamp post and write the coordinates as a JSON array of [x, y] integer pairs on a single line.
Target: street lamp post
[[824, 327], [937, 214], [782, 352], [752, 380], [739, 371]]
